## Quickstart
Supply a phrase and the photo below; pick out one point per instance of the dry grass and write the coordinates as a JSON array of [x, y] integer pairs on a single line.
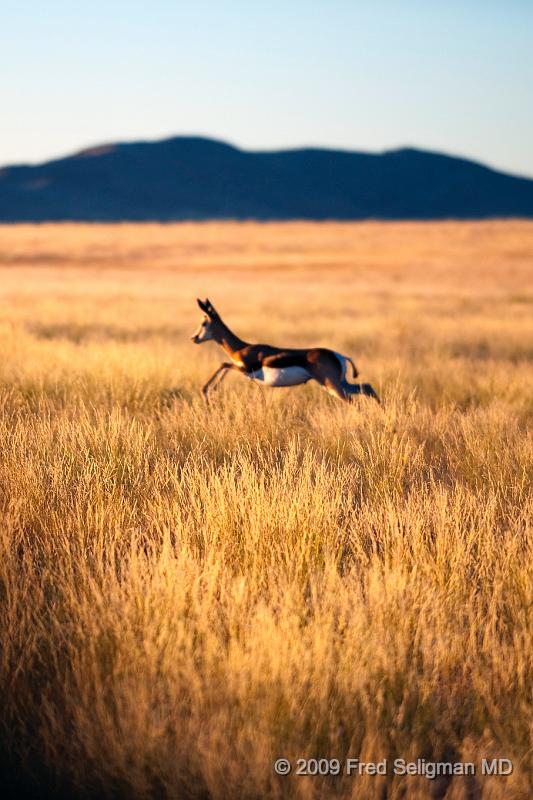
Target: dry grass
[[187, 594]]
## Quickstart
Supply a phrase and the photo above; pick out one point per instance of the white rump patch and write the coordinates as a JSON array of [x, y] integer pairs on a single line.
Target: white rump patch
[[286, 376], [344, 364]]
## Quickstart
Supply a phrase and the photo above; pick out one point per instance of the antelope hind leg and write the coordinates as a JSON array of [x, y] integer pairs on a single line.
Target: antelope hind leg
[[352, 389]]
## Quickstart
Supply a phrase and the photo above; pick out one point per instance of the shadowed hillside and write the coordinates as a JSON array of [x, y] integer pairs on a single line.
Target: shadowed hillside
[[190, 178]]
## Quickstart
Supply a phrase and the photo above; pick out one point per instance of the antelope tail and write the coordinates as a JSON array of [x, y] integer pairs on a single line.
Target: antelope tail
[[354, 368]]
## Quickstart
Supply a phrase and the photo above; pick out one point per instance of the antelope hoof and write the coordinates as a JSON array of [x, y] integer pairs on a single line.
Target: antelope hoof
[[371, 393]]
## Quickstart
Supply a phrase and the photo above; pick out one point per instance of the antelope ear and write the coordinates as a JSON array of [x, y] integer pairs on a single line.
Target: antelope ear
[[211, 308], [203, 306]]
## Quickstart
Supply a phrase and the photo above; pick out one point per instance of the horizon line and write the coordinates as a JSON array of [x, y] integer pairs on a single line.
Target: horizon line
[[282, 149]]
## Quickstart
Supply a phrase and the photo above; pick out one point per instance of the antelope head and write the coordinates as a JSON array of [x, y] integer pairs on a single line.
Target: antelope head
[[207, 330]]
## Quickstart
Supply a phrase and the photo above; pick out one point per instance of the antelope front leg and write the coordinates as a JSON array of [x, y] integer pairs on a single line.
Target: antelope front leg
[[216, 378]]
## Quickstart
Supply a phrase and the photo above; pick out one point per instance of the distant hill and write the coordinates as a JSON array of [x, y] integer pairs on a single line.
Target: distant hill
[[192, 178]]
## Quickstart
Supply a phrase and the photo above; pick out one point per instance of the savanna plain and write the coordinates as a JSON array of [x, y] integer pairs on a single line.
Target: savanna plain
[[188, 593]]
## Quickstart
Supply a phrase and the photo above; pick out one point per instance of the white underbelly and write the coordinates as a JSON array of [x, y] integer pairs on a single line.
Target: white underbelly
[[285, 376]]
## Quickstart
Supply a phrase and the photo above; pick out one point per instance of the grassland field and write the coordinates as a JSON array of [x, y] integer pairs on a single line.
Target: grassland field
[[189, 593]]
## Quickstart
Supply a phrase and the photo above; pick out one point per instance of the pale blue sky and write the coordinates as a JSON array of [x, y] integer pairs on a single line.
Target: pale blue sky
[[449, 75]]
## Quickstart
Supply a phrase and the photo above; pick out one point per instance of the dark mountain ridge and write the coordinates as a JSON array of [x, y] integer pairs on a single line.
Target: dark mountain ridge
[[194, 178]]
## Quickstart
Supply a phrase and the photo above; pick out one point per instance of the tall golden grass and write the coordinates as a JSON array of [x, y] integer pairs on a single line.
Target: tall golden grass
[[189, 593]]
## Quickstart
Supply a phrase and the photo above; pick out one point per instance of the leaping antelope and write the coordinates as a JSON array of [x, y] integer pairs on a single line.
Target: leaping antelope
[[276, 366]]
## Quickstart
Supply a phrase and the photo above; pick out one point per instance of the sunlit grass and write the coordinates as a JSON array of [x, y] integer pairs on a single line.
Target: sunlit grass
[[188, 593]]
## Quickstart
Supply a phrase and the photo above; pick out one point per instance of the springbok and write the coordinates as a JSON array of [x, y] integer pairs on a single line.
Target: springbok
[[276, 366]]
